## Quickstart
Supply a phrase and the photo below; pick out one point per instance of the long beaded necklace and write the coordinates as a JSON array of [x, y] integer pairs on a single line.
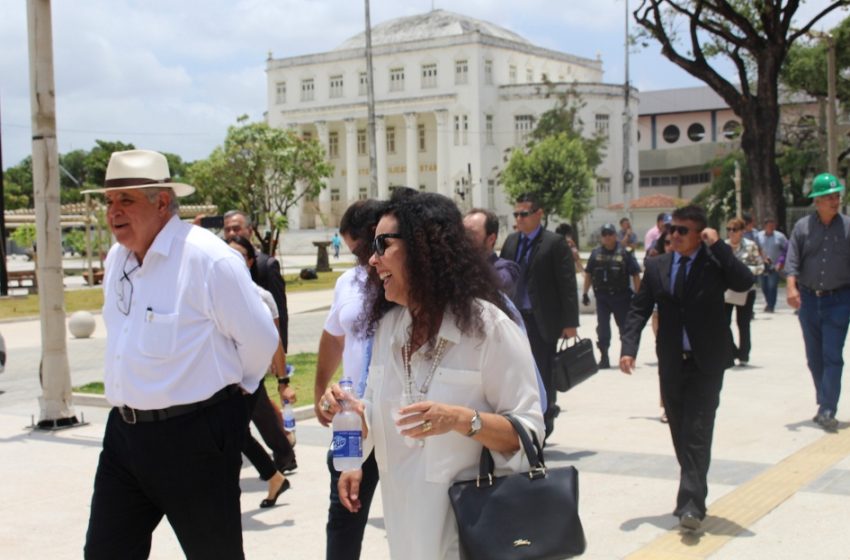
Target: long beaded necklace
[[410, 385]]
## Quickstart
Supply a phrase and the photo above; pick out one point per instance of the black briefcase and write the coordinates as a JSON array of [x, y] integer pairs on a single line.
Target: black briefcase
[[573, 364]]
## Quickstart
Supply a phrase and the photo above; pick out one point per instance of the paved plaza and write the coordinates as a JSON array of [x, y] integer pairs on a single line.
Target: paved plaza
[[779, 486]]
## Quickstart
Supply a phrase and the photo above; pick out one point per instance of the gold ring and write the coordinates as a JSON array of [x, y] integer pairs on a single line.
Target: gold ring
[[426, 426], [326, 406]]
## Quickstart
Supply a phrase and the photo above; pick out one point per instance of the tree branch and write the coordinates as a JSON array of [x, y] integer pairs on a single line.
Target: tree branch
[[805, 29]]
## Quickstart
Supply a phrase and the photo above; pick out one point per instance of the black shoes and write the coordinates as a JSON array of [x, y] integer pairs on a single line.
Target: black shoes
[[827, 421], [603, 361], [267, 503], [690, 521]]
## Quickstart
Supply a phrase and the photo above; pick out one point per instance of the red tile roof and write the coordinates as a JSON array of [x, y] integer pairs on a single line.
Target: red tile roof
[[660, 201]]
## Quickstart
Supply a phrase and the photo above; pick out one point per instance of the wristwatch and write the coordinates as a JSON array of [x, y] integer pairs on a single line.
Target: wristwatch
[[283, 380], [474, 424]]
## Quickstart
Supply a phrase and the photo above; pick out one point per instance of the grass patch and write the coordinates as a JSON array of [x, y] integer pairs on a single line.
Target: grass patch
[[303, 379], [325, 281]]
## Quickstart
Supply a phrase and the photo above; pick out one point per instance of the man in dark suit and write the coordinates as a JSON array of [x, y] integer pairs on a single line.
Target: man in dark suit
[[546, 292], [694, 343], [266, 273]]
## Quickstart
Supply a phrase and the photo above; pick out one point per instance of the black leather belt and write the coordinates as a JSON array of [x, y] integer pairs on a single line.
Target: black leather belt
[[823, 293], [133, 415]]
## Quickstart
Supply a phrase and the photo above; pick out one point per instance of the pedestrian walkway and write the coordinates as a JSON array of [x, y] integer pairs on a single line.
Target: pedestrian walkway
[[779, 486]]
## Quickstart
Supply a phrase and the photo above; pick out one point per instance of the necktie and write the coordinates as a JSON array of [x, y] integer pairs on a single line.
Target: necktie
[[679, 285], [523, 247]]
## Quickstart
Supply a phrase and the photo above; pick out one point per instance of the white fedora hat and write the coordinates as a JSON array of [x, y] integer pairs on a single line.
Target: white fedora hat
[[139, 169]]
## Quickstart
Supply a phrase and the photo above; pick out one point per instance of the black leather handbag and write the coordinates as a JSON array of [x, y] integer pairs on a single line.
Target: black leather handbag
[[573, 364], [523, 516]]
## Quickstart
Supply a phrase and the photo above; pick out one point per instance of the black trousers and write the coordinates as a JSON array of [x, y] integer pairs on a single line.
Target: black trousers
[[345, 529], [690, 401], [186, 468], [252, 449], [743, 316], [543, 351], [268, 422]]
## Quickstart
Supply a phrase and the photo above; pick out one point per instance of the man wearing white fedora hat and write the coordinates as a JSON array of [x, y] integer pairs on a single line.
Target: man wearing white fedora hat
[[182, 342]]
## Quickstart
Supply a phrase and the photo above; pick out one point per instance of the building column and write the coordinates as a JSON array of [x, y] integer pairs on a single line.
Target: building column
[[381, 157], [411, 145], [444, 186], [325, 193], [350, 161]]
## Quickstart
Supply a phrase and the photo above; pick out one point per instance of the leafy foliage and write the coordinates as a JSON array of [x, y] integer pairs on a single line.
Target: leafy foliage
[[718, 199], [558, 163], [263, 171]]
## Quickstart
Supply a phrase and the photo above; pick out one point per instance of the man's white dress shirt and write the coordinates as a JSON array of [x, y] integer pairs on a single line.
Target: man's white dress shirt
[[195, 323]]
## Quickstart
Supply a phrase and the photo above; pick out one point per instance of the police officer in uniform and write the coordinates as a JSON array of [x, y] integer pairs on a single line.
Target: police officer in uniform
[[608, 269]]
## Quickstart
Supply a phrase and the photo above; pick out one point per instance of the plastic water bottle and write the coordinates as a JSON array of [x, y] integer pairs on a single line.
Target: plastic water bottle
[[347, 433], [289, 422]]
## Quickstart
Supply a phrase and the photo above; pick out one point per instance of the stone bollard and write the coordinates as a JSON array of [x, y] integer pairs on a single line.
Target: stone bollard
[[81, 324]]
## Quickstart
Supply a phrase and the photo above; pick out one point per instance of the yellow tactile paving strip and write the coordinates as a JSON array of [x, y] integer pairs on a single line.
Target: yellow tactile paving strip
[[740, 508]]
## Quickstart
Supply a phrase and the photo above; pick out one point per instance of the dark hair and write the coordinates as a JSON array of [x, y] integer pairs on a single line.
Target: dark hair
[[747, 217], [529, 197], [660, 242], [623, 219], [693, 213], [660, 217], [769, 220], [491, 221], [564, 229], [443, 268], [245, 244], [358, 222]]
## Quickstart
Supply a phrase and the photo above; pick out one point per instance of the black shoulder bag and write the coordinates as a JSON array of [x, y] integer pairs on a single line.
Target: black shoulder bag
[[523, 516]]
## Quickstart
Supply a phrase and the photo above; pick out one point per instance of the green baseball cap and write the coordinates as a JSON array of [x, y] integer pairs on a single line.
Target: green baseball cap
[[825, 184]]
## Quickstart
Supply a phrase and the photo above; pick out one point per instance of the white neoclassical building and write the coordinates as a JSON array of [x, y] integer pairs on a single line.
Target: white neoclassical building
[[453, 96]]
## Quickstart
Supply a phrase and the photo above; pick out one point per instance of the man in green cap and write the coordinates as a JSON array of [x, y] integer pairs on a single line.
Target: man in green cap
[[818, 268]]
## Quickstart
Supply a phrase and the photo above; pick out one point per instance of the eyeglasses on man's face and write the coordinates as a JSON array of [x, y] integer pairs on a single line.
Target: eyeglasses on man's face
[[379, 245], [681, 230]]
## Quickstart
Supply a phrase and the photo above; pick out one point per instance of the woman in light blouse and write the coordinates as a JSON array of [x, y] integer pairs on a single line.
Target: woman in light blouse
[[449, 362], [748, 253]]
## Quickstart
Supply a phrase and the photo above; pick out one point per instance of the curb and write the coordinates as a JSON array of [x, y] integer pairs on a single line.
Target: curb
[[305, 412]]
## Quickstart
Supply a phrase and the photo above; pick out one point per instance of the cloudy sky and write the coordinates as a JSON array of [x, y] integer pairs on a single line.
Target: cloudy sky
[[172, 75]]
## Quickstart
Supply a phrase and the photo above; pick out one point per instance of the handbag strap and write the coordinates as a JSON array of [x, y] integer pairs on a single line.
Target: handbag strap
[[564, 343], [531, 446]]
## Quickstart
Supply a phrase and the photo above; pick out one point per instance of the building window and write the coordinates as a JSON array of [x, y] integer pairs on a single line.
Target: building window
[[603, 191], [361, 90], [731, 130], [523, 125], [512, 74], [529, 75], [695, 178], [333, 145], [488, 130], [465, 130], [671, 133], [334, 195], [421, 131], [457, 130], [696, 132], [307, 89], [306, 136], [280, 93], [396, 79], [390, 140], [336, 86], [488, 72], [429, 76], [602, 124], [461, 72], [361, 142], [362, 193]]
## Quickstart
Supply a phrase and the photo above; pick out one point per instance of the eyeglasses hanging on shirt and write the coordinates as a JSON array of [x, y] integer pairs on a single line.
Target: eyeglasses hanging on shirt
[[125, 287]]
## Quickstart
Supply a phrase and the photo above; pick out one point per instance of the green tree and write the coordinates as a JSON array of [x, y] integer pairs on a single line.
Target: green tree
[[556, 171], [263, 171], [755, 38], [718, 199], [98, 159], [563, 118], [17, 187]]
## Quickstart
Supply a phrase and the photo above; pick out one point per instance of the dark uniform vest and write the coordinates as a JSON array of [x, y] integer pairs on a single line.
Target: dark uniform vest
[[610, 274]]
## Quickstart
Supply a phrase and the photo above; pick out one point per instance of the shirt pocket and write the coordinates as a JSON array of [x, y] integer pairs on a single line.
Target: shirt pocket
[[159, 334], [455, 386]]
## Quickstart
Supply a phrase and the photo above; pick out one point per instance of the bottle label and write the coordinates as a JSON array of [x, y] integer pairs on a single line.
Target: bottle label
[[347, 443], [289, 423]]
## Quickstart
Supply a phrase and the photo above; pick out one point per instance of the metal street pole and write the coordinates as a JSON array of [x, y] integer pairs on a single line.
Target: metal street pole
[[831, 114], [370, 102], [55, 402], [628, 176], [4, 277], [739, 206]]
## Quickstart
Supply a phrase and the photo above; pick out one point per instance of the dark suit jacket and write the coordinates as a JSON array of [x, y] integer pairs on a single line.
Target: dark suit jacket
[[551, 282], [702, 313], [266, 273]]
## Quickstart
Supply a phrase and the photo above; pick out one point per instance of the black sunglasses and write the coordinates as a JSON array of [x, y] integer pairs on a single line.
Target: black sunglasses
[[734, 229], [379, 245], [681, 230], [523, 214]]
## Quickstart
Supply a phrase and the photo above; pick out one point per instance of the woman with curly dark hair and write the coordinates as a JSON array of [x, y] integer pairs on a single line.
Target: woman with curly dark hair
[[447, 363]]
